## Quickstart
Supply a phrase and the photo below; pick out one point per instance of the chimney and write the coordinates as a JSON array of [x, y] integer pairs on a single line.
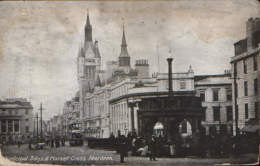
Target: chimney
[[170, 74]]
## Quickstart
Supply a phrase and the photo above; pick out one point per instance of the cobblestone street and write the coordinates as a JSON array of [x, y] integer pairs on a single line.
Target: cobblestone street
[[83, 155]]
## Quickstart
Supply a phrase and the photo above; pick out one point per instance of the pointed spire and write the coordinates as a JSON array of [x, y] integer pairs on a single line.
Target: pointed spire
[[123, 38], [88, 29], [88, 22], [124, 52]]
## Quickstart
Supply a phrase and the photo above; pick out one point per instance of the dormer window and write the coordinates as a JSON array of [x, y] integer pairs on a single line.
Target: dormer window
[[182, 85]]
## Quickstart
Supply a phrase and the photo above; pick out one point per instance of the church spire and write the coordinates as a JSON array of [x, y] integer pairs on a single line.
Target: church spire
[[88, 29], [124, 52], [123, 38]]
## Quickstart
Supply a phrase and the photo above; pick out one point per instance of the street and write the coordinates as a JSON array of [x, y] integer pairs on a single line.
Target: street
[[83, 155]]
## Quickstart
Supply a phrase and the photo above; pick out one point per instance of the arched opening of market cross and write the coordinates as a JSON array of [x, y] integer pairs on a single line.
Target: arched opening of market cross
[[185, 129], [172, 117]]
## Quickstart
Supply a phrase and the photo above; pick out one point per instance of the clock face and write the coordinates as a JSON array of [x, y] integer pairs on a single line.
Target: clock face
[[90, 62]]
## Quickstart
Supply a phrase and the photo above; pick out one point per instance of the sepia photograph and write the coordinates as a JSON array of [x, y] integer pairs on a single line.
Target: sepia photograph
[[129, 82]]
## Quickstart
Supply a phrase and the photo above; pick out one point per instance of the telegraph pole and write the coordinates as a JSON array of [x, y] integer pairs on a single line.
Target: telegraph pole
[[33, 126], [41, 119], [37, 124]]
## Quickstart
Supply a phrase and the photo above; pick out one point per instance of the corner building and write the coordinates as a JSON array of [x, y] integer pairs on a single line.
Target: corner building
[[246, 77], [16, 120]]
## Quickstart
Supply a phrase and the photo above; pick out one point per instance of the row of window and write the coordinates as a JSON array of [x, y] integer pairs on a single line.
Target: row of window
[[216, 113], [10, 126], [215, 95], [256, 110], [255, 87], [229, 112], [13, 112], [254, 64]]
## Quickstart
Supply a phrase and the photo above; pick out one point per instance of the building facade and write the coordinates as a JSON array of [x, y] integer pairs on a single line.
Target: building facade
[[216, 96], [246, 76], [16, 120]]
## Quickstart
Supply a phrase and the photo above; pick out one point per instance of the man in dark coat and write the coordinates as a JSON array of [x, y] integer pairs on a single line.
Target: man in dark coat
[[57, 142], [52, 142], [30, 144], [152, 148], [122, 148]]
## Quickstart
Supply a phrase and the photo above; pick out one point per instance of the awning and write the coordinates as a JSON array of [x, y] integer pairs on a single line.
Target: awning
[[251, 128]]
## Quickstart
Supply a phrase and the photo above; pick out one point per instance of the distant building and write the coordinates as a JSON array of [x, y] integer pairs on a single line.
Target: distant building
[[246, 76], [16, 119], [71, 115], [56, 126]]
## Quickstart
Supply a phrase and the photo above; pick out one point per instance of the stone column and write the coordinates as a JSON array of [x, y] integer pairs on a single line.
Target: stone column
[[132, 105], [170, 74]]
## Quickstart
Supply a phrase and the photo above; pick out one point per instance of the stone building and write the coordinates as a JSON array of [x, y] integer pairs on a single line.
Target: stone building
[[95, 118], [16, 119], [246, 76], [216, 96]]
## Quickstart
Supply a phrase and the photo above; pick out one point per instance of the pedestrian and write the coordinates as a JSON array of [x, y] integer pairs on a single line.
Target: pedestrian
[[19, 144], [52, 143], [122, 148], [63, 141], [57, 142], [152, 148], [133, 147]]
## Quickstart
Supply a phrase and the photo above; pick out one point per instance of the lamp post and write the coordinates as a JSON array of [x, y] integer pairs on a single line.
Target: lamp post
[[37, 124], [33, 126], [235, 78], [41, 118]]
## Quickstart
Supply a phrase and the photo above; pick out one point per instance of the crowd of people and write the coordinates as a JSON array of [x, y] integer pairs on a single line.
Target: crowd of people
[[52, 142], [213, 145]]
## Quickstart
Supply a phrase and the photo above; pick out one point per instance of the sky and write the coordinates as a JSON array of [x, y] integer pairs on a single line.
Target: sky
[[39, 41]]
